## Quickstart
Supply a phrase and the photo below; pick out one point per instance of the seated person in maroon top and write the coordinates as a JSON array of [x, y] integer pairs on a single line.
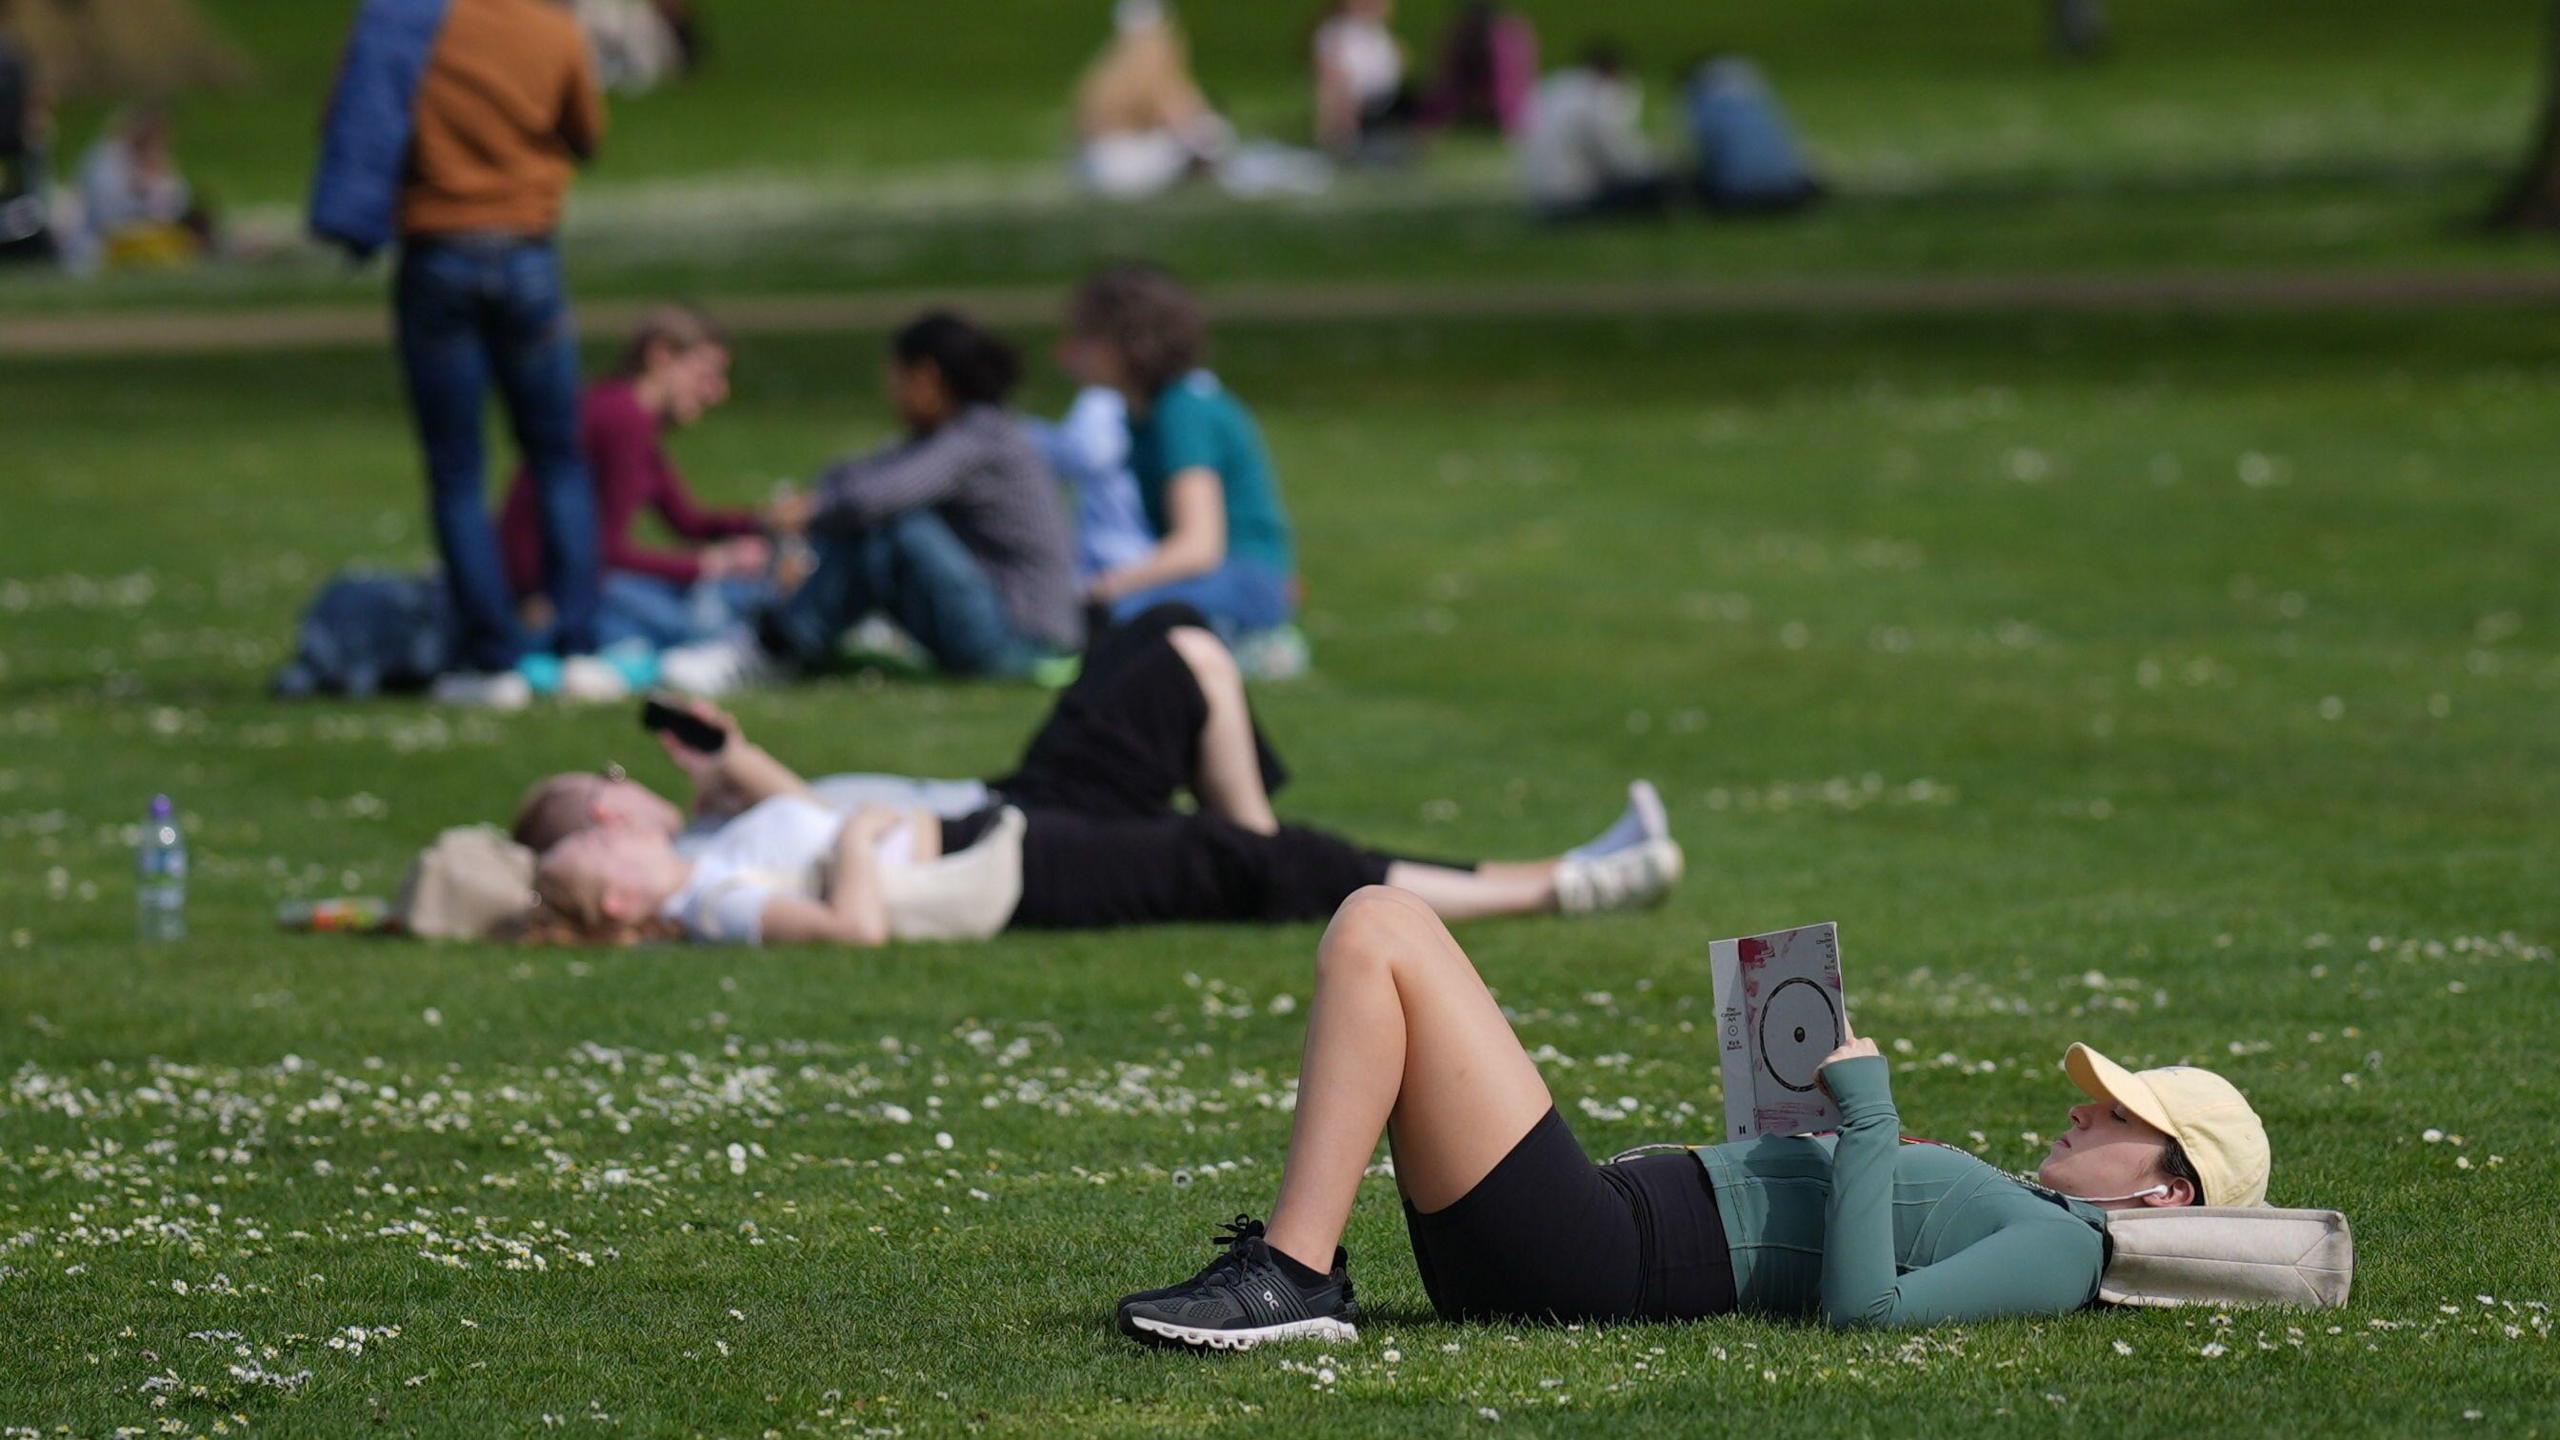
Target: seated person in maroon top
[[675, 370]]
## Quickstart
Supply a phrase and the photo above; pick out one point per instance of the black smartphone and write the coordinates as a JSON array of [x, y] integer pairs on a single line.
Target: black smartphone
[[691, 731]]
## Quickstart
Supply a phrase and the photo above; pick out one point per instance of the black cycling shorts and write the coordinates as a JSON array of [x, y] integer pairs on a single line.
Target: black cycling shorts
[[1549, 1235]]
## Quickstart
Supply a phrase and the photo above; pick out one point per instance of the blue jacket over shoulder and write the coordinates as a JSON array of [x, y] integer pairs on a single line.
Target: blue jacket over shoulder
[[364, 137]]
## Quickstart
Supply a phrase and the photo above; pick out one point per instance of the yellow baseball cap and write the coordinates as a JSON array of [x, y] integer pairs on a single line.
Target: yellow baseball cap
[[2204, 1113]]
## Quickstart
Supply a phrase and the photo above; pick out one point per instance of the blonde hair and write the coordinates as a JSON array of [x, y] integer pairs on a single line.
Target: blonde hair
[[572, 912], [543, 925], [680, 328]]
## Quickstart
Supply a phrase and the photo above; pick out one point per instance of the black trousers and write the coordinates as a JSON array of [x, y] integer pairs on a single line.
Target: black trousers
[[1124, 739], [1104, 845], [1083, 872]]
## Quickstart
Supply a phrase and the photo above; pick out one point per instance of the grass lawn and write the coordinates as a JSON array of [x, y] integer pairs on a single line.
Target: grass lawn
[[2182, 685]]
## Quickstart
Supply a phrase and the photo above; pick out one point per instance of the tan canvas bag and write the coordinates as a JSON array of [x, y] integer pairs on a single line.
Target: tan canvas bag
[[968, 896], [2228, 1255], [472, 880]]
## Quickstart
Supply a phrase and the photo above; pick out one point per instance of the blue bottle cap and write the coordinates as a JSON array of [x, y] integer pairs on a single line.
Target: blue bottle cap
[[160, 807]]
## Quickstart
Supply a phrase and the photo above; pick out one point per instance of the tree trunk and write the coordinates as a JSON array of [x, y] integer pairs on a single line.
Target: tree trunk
[[2531, 200], [125, 50]]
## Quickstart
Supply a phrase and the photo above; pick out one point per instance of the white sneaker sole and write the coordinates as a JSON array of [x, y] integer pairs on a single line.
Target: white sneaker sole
[[1318, 1329]]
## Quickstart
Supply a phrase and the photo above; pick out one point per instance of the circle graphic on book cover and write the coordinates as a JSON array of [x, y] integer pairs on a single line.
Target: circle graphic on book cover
[[1799, 1026]]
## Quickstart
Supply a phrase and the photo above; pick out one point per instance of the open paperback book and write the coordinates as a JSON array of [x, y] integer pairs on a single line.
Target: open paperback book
[[1779, 1013]]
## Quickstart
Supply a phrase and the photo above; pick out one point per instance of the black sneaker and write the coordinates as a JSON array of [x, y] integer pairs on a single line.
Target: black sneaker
[[1244, 1298]]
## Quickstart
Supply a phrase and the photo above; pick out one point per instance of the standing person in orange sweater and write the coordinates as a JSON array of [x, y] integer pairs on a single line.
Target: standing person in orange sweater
[[505, 111]]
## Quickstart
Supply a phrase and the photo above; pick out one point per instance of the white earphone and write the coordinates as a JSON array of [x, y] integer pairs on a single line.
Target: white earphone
[[2110, 1199]]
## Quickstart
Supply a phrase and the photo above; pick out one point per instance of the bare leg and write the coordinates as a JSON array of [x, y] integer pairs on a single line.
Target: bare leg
[[1497, 888], [1402, 1036], [1228, 778]]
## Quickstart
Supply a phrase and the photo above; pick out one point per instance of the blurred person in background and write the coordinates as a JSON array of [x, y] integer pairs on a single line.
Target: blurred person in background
[[640, 45], [2078, 29], [674, 371], [1584, 152], [1142, 124], [1089, 450], [1222, 538], [136, 209], [1091, 823], [957, 533], [1364, 108], [1488, 67], [455, 127], [1748, 159], [26, 164]]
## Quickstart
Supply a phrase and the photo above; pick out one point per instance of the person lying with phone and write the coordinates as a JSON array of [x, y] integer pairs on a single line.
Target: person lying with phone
[[1089, 815]]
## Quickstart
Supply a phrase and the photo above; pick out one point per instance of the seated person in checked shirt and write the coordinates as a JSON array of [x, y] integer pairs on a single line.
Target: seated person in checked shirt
[[957, 533]]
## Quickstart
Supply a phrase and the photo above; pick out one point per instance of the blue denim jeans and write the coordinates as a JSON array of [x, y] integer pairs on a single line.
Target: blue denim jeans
[[660, 613], [911, 566], [473, 310], [1239, 597]]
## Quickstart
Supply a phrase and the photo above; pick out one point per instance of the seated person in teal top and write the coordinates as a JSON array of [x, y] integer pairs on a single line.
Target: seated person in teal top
[[1223, 542], [1510, 1220]]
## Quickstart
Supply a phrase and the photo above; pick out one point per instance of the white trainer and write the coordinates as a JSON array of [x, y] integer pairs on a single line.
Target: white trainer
[[1637, 876], [717, 667], [483, 690], [588, 680], [1645, 803]]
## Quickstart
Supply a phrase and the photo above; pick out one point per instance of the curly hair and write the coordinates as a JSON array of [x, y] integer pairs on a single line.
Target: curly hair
[[977, 366], [1149, 318]]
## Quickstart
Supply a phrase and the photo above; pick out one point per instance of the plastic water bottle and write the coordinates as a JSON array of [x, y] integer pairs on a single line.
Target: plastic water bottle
[[160, 862]]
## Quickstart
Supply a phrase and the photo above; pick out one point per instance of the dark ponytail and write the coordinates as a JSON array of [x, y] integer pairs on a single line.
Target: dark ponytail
[[977, 365]]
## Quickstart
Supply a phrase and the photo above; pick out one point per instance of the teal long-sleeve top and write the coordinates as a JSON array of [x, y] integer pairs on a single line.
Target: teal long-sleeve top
[[1863, 1229]]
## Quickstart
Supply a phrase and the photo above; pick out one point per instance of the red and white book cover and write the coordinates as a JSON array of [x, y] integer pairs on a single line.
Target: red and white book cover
[[1780, 1011]]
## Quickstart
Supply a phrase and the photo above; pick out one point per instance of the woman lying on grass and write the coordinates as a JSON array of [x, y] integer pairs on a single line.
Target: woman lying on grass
[[1083, 834], [1509, 1219]]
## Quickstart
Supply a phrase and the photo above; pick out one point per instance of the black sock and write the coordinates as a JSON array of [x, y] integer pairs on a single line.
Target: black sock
[[1299, 1274], [774, 640]]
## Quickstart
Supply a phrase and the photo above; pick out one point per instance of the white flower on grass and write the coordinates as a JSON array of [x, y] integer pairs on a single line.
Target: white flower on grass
[[737, 1158], [2211, 1349], [2123, 1348]]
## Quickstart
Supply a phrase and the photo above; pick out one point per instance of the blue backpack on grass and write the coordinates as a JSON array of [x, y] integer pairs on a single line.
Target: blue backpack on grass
[[368, 631]]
